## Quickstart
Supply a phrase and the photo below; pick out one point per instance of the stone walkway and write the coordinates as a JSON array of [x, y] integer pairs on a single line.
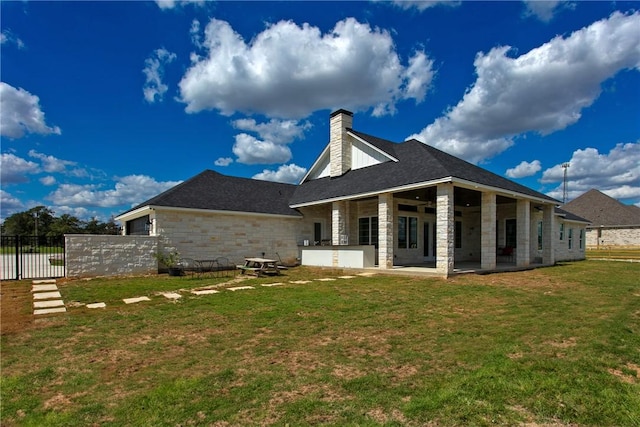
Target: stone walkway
[[47, 298]]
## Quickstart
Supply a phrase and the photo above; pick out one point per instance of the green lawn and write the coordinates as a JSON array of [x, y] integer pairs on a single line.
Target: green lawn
[[553, 346]]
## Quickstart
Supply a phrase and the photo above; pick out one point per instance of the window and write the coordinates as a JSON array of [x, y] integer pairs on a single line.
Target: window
[[581, 238], [368, 231], [562, 231], [458, 235], [139, 226], [570, 238], [511, 230], [539, 235], [407, 232]]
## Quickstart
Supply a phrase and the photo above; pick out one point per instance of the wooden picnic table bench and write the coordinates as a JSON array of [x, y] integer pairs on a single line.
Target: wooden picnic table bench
[[259, 266]]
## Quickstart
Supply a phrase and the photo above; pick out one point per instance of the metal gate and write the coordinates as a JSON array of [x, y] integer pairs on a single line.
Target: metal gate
[[32, 257]]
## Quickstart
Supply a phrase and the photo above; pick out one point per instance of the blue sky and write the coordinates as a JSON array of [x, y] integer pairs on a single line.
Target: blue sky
[[106, 104]]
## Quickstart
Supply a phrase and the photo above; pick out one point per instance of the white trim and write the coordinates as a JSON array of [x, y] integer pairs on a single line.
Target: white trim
[[313, 166], [145, 210]]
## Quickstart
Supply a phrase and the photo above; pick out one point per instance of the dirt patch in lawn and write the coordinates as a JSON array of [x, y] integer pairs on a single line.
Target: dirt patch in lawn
[[16, 312]]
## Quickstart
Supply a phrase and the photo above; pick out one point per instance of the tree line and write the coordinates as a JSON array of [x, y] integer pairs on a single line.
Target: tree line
[[41, 221]]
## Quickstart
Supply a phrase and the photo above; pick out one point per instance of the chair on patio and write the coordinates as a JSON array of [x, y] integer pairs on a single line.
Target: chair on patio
[[506, 253]]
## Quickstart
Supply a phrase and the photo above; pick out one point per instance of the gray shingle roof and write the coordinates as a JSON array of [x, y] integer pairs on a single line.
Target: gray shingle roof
[[417, 162], [601, 209], [215, 191]]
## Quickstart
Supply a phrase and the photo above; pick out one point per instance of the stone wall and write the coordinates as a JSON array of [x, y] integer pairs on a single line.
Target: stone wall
[[607, 237], [204, 235], [562, 250], [89, 255]]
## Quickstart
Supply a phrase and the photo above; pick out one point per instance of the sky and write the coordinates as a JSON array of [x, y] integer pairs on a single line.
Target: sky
[[104, 105]]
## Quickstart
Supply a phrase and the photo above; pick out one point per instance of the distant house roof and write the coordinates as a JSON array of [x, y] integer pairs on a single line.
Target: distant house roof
[[602, 210], [215, 191], [417, 163]]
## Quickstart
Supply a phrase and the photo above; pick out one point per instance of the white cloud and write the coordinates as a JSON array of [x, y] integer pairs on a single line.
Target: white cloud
[[424, 5], [154, 89], [15, 169], [21, 113], [616, 173], [171, 4], [289, 71], [52, 164], [223, 161], [252, 151], [542, 91], [276, 131], [48, 180], [545, 10], [524, 169], [128, 190], [7, 37], [291, 174], [9, 204]]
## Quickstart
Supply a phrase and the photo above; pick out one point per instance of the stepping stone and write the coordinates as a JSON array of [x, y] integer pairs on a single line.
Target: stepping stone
[[205, 292], [240, 288], [97, 305], [43, 282], [301, 282], [47, 295], [171, 295], [347, 277], [135, 300], [326, 279], [268, 285], [367, 274], [44, 288], [49, 310], [48, 304]]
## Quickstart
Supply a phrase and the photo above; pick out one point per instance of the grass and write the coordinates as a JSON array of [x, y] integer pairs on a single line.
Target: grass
[[614, 253], [553, 346]]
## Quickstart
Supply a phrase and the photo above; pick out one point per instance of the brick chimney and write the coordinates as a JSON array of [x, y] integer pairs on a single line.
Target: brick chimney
[[340, 142]]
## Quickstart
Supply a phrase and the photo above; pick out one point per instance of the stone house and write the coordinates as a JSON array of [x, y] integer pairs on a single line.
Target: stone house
[[367, 202], [612, 223]]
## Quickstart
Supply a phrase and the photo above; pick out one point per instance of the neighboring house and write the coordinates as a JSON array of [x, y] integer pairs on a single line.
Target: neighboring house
[[612, 223], [367, 201]]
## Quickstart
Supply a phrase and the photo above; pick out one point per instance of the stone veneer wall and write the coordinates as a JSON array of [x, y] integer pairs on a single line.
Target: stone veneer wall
[[563, 253], [204, 235], [627, 237], [89, 255]]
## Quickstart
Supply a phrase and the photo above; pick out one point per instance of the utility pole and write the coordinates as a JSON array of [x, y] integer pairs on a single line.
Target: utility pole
[[565, 166]]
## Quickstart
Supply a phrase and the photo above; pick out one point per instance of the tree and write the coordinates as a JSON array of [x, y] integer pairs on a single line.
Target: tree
[[66, 224], [35, 221]]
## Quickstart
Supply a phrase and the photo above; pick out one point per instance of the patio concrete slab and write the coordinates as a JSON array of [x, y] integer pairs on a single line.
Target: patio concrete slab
[[44, 288], [241, 288], [97, 305], [47, 295], [135, 300], [205, 292], [43, 282], [48, 304], [171, 295], [49, 310]]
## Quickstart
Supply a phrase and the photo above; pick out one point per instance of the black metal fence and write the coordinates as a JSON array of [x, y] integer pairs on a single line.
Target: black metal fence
[[31, 257]]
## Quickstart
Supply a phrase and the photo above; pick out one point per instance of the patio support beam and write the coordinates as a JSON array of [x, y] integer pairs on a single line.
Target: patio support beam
[[523, 225], [488, 230], [445, 226], [339, 218], [385, 231], [548, 257]]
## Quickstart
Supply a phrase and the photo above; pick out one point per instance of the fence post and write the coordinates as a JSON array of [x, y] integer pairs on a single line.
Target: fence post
[[17, 265]]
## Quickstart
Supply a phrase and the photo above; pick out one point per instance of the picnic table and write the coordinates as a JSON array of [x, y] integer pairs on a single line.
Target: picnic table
[[259, 266]]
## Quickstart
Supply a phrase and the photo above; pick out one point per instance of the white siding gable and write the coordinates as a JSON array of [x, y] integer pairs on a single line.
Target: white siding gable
[[363, 155], [322, 167]]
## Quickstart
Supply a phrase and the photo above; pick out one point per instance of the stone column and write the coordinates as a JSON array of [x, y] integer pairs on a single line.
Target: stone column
[[338, 225], [488, 230], [548, 234], [523, 224], [385, 231], [445, 226]]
